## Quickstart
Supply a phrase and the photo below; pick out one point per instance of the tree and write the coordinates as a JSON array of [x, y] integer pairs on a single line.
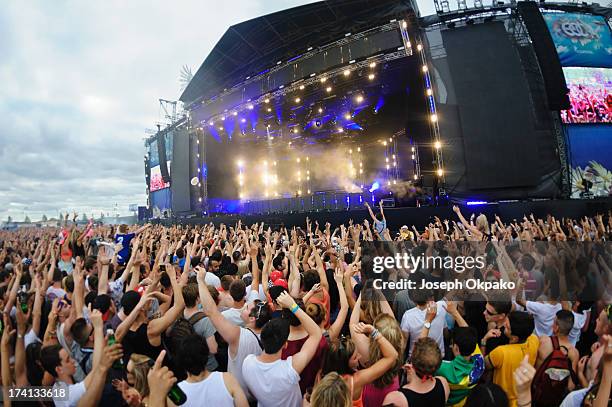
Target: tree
[[9, 220], [44, 218], [27, 219]]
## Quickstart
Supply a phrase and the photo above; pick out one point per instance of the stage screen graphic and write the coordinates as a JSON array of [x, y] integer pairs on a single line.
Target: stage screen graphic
[[157, 182], [590, 147], [590, 95], [581, 39]]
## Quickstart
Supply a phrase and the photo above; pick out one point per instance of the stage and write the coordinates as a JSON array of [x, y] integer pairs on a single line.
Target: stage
[[419, 217]]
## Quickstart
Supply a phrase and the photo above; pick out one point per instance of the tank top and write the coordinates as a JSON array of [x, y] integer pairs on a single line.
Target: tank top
[[210, 391], [138, 342], [373, 396], [433, 398], [309, 374], [349, 380]]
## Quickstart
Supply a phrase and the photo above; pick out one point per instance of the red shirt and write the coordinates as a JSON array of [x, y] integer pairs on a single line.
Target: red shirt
[[309, 374]]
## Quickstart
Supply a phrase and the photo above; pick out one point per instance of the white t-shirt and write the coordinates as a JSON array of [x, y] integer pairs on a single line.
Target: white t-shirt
[[273, 384], [210, 392], [213, 280], [261, 296], [247, 345], [575, 398], [30, 338], [233, 316], [543, 316], [414, 319], [75, 392], [53, 293], [579, 320]]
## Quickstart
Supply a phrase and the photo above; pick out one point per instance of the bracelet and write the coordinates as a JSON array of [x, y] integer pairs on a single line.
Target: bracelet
[[294, 308], [375, 334]]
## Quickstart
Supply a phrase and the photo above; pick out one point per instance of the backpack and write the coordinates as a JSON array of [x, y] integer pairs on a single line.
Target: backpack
[[550, 382]]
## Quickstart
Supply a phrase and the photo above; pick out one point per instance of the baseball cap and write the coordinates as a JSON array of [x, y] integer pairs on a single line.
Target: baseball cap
[[281, 282], [275, 275]]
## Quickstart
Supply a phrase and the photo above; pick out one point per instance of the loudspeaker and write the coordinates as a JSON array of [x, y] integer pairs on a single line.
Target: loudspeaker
[[161, 151], [548, 59]]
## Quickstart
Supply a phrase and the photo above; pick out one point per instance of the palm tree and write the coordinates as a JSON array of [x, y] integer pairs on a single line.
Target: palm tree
[[185, 77]]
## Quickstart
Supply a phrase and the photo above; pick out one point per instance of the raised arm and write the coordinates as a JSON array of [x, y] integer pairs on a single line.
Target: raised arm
[[305, 355], [230, 332], [389, 356], [159, 325], [125, 325]]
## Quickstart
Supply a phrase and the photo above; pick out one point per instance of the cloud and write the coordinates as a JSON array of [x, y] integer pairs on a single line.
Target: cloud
[[80, 83]]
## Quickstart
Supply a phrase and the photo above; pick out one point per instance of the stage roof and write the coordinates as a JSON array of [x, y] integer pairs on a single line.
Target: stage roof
[[249, 47]]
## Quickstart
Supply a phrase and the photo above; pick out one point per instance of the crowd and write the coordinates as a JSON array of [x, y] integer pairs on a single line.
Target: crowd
[[240, 315], [589, 104]]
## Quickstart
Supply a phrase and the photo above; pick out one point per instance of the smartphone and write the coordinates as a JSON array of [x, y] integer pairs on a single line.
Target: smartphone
[[162, 268]]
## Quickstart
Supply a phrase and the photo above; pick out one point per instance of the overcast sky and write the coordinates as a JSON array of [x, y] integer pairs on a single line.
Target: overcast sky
[[79, 84]]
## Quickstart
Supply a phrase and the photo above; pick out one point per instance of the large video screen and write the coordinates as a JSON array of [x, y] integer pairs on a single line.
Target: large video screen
[[590, 95], [591, 161], [157, 181], [581, 39]]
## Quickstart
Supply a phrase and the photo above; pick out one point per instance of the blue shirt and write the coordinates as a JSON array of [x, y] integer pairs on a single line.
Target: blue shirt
[[124, 253]]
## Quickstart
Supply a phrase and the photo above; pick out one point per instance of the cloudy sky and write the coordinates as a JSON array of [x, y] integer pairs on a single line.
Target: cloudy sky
[[80, 82]]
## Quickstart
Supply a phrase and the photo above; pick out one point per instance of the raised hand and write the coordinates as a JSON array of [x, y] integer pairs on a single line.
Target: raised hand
[[285, 300], [361, 328]]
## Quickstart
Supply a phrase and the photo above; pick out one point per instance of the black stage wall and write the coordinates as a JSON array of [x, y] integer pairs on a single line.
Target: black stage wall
[[420, 217], [494, 147], [180, 172]]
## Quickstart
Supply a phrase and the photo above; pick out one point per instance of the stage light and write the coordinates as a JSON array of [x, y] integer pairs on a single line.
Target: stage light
[[404, 24], [307, 158], [388, 167], [394, 164], [308, 191], [220, 128], [388, 182], [393, 156], [250, 107], [198, 141], [416, 176], [412, 156], [318, 123], [243, 120], [235, 113], [371, 76], [374, 187], [424, 68], [347, 72], [301, 87], [372, 64], [295, 130], [390, 139], [267, 100], [198, 170], [360, 171], [198, 155], [434, 118], [437, 145], [211, 123], [299, 192], [359, 99], [328, 89], [298, 160], [440, 172], [323, 79], [320, 110], [299, 173], [266, 194], [307, 178], [387, 159], [358, 149], [347, 116], [413, 150], [394, 182], [297, 100], [269, 110], [385, 143], [419, 47], [200, 199], [429, 92], [340, 130], [360, 164], [308, 172], [241, 195], [240, 163]]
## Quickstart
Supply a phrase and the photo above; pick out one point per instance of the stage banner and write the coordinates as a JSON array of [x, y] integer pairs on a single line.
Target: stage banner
[[581, 39]]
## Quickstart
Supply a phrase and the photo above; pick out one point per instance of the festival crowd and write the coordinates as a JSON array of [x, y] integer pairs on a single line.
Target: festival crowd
[[239, 315]]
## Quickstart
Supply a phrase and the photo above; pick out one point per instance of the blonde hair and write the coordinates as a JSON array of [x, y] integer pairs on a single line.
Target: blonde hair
[[141, 369], [331, 391], [483, 224], [390, 329], [316, 312], [371, 299]]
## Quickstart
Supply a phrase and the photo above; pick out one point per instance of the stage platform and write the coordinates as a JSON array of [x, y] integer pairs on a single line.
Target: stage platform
[[420, 217]]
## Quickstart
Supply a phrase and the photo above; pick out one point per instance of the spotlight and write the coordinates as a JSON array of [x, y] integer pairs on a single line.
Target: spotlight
[[299, 192], [274, 163], [301, 87], [440, 172], [295, 130], [419, 47], [241, 195], [308, 191], [385, 143], [223, 118], [340, 130], [298, 160], [220, 128], [416, 176], [347, 116], [351, 151], [328, 89], [243, 120], [371, 76], [211, 123], [359, 99], [269, 109], [267, 100], [372, 64], [387, 159], [424, 68], [198, 141], [404, 24], [297, 100], [307, 158], [235, 113], [358, 149], [434, 118], [250, 107], [347, 72], [320, 110], [429, 92], [413, 149], [412, 156], [437, 145], [318, 123], [323, 79], [200, 199]]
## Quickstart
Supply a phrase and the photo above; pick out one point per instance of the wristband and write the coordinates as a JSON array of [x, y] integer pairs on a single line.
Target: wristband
[[375, 334], [294, 308]]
